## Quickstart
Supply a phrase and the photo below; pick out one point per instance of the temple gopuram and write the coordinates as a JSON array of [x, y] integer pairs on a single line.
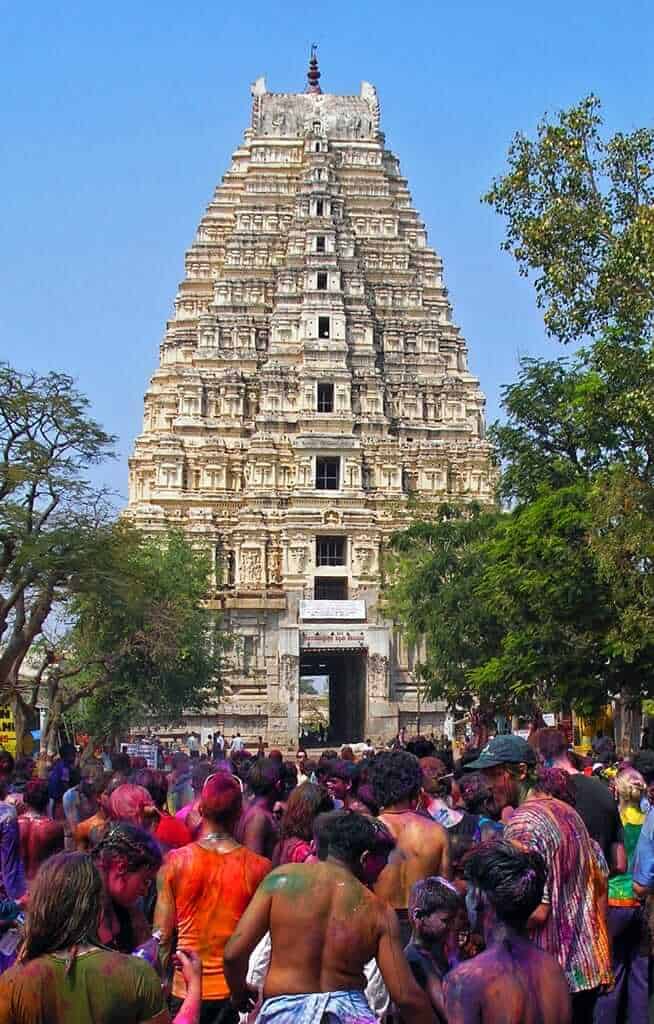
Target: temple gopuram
[[312, 391]]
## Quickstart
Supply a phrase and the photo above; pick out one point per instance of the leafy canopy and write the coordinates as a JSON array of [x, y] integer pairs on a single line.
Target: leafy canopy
[[579, 211]]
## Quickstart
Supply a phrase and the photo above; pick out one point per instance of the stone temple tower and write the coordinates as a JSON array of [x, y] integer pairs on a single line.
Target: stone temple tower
[[311, 387]]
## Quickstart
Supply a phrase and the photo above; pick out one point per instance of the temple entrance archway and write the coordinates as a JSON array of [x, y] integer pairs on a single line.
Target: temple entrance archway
[[341, 698]]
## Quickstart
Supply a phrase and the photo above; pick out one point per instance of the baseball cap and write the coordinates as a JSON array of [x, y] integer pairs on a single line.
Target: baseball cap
[[503, 750]]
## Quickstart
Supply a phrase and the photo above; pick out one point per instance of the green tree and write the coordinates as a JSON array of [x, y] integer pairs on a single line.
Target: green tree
[[431, 569], [92, 614], [142, 643], [580, 217], [557, 611], [570, 419], [564, 580], [53, 523]]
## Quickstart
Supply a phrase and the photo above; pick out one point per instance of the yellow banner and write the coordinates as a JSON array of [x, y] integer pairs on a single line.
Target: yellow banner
[[7, 730]]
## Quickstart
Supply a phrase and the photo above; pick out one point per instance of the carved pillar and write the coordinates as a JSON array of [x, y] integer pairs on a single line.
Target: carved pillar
[[284, 714]]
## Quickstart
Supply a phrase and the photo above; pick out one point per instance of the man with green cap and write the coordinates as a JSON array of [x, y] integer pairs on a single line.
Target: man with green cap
[[570, 922]]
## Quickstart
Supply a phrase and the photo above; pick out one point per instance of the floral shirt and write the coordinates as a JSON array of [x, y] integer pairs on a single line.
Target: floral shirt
[[575, 930]]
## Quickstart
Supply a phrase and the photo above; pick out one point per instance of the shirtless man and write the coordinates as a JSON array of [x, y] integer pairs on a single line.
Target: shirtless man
[[257, 828], [512, 982], [422, 846], [325, 925], [40, 836]]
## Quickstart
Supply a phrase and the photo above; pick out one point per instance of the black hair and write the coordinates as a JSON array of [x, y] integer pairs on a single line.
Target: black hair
[[430, 894], [288, 779], [348, 836], [155, 782], [120, 763], [420, 746], [644, 763], [138, 847], [469, 755], [320, 831], [36, 794], [340, 769], [328, 755], [513, 880], [475, 792], [395, 775], [264, 776]]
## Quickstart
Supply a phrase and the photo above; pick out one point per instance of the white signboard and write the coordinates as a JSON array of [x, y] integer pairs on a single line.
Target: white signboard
[[324, 610], [146, 750], [340, 638]]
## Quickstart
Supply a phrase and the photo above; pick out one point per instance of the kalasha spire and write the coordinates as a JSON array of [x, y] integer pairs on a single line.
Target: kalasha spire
[[313, 74]]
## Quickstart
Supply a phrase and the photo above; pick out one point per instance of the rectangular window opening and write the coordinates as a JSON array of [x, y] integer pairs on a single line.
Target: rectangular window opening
[[320, 243], [330, 550], [325, 396], [321, 280], [326, 588], [320, 206], [323, 326], [328, 473]]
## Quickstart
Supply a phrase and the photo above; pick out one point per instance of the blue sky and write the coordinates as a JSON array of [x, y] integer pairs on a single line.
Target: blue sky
[[116, 122]]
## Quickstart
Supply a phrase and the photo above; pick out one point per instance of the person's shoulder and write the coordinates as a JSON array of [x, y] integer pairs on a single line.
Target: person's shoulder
[[588, 785], [532, 814], [28, 975], [256, 861], [422, 828], [472, 974]]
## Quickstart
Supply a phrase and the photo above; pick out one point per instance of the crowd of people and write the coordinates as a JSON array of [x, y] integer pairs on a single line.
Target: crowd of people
[[511, 886]]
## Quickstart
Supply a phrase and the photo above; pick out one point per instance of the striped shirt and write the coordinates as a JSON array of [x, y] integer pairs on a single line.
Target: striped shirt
[[575, 929]]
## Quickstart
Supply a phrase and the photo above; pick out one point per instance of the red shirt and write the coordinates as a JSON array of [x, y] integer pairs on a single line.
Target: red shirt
[[172, 833]]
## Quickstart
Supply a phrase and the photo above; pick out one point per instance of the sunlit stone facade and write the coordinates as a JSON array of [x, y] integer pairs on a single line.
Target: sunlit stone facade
[[311, 385]]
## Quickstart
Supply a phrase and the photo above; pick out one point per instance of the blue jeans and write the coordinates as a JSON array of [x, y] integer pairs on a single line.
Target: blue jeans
[[626, 1003]]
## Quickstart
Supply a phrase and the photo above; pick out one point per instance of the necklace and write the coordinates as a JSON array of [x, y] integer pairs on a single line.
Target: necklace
[[216, 835]]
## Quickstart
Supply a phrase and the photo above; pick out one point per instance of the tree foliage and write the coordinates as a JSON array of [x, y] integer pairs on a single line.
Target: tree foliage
[[579, 211], [432, 568], [87, 604], [570, 419], [142, 643], [551, 601], [53, 523]]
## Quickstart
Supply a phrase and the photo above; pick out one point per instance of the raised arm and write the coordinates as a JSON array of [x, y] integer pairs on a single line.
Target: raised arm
[[249, 931], [403, 989]]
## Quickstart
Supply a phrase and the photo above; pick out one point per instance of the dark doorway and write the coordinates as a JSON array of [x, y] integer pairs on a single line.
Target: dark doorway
[[347, 692]]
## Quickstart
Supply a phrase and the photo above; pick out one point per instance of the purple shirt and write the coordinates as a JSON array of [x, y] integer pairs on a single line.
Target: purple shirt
[[12, 877]]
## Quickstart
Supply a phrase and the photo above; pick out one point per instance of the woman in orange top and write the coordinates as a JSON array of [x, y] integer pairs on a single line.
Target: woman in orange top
[[203, 890]]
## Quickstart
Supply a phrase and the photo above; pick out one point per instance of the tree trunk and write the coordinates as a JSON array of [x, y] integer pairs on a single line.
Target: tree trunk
[[20, 724], [628, 717], [50, 729], [87, 752], [634, 720]]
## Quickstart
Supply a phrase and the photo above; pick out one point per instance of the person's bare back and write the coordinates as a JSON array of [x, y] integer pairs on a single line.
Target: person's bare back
[[511, 983], [422, 849], [325, 926], [257, 829]]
